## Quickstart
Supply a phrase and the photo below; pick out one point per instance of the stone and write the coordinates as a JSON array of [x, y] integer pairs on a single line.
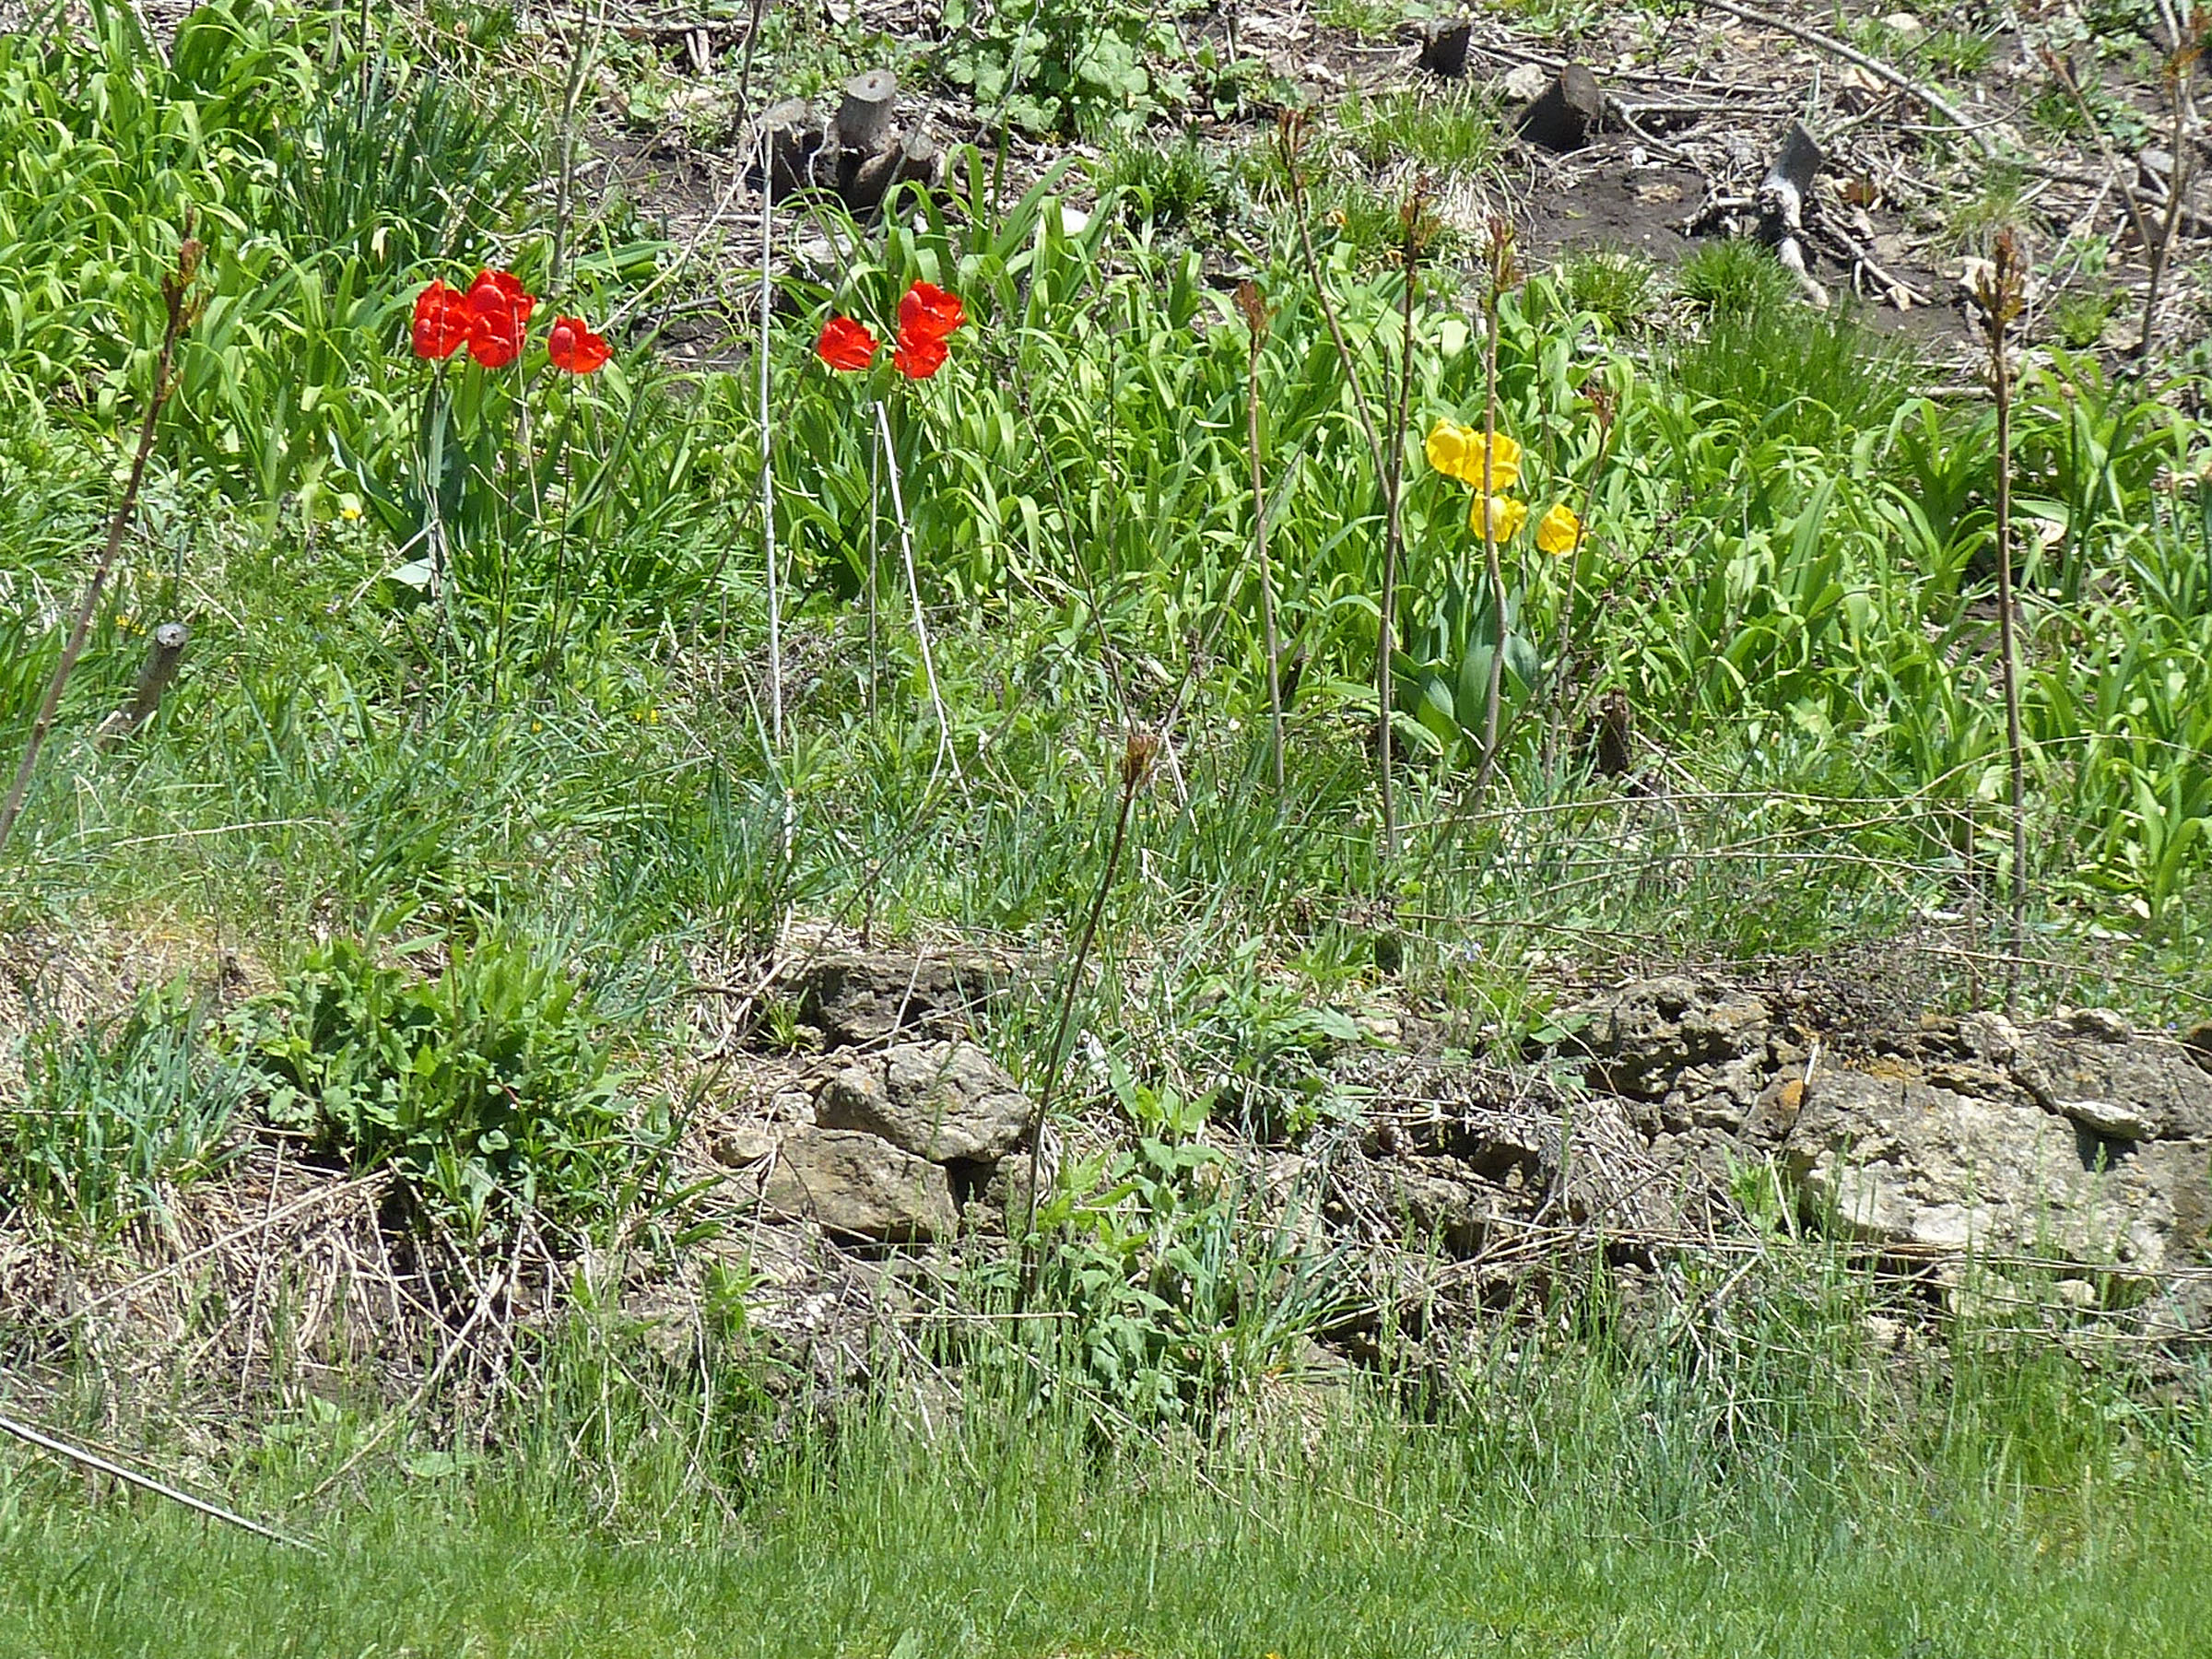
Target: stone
[[862, 1000], [948, 1103], [1641, 1038], [860, 1186], [2092, 1069], [1894, 1160]]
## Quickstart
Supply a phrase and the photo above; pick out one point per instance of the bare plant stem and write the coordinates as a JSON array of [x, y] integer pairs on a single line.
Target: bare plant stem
[[1412, 223], [1255, 316], [1494, 695], [580, 53], [2179, 68], [914, 586], [184, 305], [2002, 295], [1137, 751], [1286, 141], [768, 470], [1560, 681]]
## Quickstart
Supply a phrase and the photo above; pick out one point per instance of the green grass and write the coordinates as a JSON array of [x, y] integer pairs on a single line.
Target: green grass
[[1581, 1512]]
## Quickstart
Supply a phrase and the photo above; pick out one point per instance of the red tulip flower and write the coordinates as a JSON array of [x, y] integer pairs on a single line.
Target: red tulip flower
[[499, 317], [442, 322], [575, 348], [919, 356], [927, 312], [846, 344]]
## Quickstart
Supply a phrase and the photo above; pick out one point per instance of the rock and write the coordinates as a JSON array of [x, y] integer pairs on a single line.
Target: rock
[[1644, 1038], [1894, 1160], [860, 1186], [946, 1102], [1525, 82], [859, 1000], [2092, 1069], [1904, 25]]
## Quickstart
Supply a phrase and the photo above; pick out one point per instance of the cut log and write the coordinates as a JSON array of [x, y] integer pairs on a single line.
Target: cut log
[[864, 115], [155, 676], [791, 134], [912, 158], [1444, 46], [1571, 108]]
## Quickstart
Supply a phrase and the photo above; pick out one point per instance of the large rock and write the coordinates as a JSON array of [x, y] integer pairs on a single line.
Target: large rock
[[947, 1102], [862, 1000], [1899, 1160], [861, 1186]]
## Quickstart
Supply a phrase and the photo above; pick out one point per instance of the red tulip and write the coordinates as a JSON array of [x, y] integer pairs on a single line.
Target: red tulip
[[442, 318], [919, 356], [927, 312], [499, 317], [575, 348], [846, 344]]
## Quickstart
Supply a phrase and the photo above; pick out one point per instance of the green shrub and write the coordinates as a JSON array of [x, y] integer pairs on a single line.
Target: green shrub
[[485, 1087]]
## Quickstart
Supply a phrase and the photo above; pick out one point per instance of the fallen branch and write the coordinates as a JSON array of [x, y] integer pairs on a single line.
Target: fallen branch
[[93, 1460], [1850, 54]]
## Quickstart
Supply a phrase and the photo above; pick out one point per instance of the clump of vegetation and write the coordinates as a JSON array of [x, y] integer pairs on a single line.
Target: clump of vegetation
[[115, 1119], [485, 1087]]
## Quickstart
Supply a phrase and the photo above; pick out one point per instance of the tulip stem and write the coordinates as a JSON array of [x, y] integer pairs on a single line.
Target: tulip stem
[[914, 584]]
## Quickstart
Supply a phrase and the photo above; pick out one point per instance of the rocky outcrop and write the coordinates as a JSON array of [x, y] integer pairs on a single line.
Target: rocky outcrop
[[948, 1103], [2074, 1139]]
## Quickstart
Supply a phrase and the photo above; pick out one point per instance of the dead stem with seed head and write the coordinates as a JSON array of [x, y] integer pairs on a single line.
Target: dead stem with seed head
[[1289, 136], [1501, 274], [1255, 321], [1559, 684], [2178, 72], [1140, 748], [182, 298], [2001, 291], [1415, 230]]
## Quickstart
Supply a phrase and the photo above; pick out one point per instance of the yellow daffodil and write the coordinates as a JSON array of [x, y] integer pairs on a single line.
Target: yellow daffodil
[[1457, 451], [1559, 530], [1506, 515]]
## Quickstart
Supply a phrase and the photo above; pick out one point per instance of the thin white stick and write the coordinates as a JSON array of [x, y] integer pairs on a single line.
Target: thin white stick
[[93, 1460], [768, 472], [913, 586]]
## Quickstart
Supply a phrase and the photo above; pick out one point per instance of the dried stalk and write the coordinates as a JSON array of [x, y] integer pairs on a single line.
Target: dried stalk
[[1501, 273], [180, 296], [1289, 132], [1139, 750], [2179, 70], [93, 1460], [1255, 321], [2002, 292], [1413, 224]]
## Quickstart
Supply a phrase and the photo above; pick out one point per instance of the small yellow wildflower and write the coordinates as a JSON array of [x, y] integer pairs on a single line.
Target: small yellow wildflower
[[1506, 516], [1559, 530]]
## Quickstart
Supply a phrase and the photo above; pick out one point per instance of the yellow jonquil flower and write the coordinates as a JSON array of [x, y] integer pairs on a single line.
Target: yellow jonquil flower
[[1506, 516], [1559, 530], [1457, 451]]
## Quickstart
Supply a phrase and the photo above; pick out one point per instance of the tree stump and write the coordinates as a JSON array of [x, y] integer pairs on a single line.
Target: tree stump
[[1570, 109]]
